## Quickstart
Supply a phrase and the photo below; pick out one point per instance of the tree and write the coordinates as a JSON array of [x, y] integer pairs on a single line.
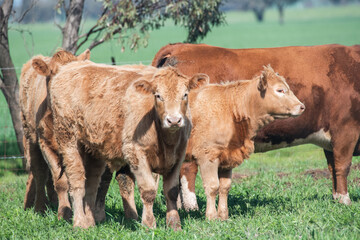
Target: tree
[[259, 7], [130, 20], [280, 4], [8, 80]]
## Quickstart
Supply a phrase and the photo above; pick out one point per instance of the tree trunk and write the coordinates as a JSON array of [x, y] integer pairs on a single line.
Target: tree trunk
[[71, 29], [259, 13], [281, 13], [8, 80]]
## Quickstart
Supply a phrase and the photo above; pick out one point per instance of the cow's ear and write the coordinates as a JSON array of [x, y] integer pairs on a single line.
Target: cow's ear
[[84, 56], [262, 86], [41, 67], [198, 81], [143, 86]]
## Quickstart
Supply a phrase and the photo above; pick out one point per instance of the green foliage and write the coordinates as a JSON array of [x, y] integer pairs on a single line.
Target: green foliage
[[131, 21]]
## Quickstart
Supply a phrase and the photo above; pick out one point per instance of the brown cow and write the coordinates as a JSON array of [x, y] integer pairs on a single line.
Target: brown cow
[[39, 145], [326, 78], [225, 119], [130, 115]]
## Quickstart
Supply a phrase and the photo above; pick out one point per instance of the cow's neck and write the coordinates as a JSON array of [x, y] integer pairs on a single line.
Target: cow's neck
[[243, 96]]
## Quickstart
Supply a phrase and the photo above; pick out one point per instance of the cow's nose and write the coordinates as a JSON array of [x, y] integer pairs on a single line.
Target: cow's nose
[[302, 107], [174, 121]]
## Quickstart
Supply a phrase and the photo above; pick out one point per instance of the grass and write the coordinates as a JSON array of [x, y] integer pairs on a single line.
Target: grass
[[283, 194], [273, 196]]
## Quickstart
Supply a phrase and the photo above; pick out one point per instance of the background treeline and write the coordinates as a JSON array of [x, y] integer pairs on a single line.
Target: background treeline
[[45, 10]]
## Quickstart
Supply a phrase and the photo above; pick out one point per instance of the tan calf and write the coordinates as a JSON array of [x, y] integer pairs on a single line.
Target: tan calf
[[39, 145], [226, 118], [130, 115]]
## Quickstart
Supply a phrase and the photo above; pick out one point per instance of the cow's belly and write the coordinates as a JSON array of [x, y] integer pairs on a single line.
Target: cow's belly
[[320, 138]]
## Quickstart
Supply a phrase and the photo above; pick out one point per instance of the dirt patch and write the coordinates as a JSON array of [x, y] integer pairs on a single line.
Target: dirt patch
[[356, 181], [318, 173], [282, 174], [356, 166], [238, 176]]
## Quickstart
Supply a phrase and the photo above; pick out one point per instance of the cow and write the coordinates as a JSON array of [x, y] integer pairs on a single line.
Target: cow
[[134, 116], [325, 78], [225, 119], [40, 148]]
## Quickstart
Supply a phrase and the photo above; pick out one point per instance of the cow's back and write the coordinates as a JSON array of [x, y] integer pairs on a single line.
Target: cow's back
[[96, 92]]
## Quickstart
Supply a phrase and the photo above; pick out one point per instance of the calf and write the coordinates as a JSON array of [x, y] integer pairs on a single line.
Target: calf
[[325, 78], [131, 115], [226, 118], [39, 145]]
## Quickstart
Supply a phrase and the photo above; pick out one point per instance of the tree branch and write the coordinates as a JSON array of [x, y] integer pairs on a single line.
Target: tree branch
[[33, 3]]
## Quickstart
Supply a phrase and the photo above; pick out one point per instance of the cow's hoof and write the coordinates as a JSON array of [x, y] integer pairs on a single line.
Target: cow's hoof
[[82, 223], [223, 216], [149, 222], [342, 198], [189, 202], [173, 221], [65, 213], [99, 215], [130, 214], [212, 216]]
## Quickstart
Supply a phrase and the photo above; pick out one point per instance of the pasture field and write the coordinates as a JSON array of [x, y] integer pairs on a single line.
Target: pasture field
[[283, 194], [277, 195]]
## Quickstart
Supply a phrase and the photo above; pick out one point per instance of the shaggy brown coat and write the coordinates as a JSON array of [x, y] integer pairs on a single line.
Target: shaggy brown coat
[[226, 118], [40, 148], [130, 115]]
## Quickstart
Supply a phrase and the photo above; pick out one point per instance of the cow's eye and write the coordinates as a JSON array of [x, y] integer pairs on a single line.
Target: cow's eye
[[185, 96], [158, 97], [281, 90]]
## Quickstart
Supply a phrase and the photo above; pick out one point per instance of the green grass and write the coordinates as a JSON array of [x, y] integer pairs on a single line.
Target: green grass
[[283, 194], [276, 198]]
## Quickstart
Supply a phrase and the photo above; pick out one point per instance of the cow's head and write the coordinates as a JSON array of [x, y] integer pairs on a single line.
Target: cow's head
[[170, 89], [60, 58], [279, 101]]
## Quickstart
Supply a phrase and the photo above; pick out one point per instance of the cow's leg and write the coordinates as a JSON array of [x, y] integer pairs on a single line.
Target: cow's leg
[[40, 171], [126, 181], [59, 179], [94, 169], [339, 162], [187, 181], [75, 172], [225, 184], [101, 195], [30, 192], [147, 188], [50, 190], [171, 192], [209, 175]]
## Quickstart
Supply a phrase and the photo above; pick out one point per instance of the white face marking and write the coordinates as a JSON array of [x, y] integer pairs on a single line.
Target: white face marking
[[188, 197], [320, 138]]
